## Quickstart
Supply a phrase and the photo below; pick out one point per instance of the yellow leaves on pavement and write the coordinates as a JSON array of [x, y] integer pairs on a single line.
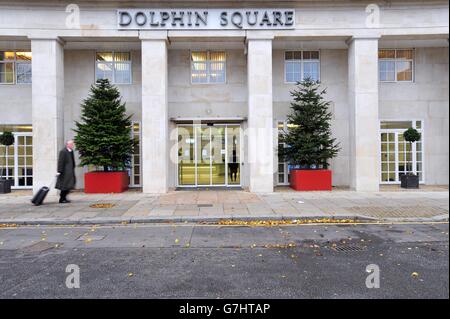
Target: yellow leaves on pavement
[[102, 205], [415, 275], [272, 223], [9, 225]]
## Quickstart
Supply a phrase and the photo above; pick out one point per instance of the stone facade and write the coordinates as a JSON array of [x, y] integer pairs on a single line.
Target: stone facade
[[348, 36]]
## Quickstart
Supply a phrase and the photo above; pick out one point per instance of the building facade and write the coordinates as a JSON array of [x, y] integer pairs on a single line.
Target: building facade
[[208, 86]]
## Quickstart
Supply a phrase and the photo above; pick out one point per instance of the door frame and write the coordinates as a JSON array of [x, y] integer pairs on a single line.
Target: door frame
[[226, 184], [16, 160], [396, 131]]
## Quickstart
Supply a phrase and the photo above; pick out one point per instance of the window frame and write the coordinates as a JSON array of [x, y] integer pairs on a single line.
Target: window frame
[[395, 60], [208, 62], [302, 61], [422, 131], [113, 63], [14, 63]]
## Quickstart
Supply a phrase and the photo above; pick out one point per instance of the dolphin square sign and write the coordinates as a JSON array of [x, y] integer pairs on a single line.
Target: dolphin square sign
[[205, 19]]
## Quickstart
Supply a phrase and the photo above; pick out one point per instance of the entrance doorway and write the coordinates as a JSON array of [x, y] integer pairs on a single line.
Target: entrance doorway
[[18, 166], [399, 157], [209, 155]]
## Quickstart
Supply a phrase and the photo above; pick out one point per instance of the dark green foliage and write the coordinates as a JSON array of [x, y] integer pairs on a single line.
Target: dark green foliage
[[7, 138], [308, 139], [412, 135], [103, 136]]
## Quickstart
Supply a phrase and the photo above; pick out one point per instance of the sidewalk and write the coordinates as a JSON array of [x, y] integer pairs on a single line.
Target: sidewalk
[[427, 204]]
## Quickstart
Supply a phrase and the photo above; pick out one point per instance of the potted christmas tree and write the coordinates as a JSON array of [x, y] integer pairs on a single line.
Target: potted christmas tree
[[6, 139], [410, 180], [103, 139], [308, 140]]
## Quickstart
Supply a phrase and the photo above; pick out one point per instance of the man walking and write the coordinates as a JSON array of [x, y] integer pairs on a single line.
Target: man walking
[[66, 171]]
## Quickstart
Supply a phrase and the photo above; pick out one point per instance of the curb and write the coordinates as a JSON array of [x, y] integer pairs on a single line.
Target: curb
[[203, 220]]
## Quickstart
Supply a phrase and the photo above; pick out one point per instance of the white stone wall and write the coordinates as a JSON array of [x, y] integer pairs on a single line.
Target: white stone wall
[[333, 75], [426, 99]]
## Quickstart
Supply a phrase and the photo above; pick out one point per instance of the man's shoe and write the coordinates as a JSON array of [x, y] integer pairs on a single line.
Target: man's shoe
[[65, 201]]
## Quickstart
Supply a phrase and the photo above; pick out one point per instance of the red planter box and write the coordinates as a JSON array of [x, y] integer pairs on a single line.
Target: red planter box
[[311, 180], [105, 182]]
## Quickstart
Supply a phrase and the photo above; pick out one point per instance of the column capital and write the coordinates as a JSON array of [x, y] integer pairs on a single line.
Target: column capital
[[362, 37], [153, 35], [259, 35], [46, 38]]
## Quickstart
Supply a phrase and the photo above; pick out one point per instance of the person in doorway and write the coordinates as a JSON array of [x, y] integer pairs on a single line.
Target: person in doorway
[[66, 172]]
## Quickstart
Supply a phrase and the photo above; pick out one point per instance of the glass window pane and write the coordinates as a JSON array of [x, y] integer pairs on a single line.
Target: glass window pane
[[105, 56], [199, 56], [387, 70], [122, 72], [23, 56], [23, 72], [404, 71], [217, 56], [6, 72], [404, 54], [386, 54], [104, 71], [121, 56], [311, 70], [6, 56], [297, 55], [396, 125], [289, 55]]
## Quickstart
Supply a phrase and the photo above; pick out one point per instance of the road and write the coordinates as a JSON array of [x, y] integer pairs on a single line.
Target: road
[[204, 261]]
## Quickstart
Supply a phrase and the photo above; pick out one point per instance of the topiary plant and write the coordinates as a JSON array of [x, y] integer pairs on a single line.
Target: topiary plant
[[411, 135], [6, 139]]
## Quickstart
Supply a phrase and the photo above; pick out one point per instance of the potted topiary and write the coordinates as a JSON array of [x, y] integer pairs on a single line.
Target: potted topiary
[[308, 140], [103, 139], [6, 139], [410, 180]]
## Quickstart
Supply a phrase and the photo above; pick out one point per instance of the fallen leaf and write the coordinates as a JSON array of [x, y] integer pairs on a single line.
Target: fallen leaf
[[415, 275], [130, 274]]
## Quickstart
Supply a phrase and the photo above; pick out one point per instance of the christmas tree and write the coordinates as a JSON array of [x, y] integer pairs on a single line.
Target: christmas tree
[[103, 136], [308, 139]]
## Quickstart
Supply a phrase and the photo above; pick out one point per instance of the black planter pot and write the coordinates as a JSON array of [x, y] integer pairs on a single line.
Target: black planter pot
[[409, 181], [5, 186]]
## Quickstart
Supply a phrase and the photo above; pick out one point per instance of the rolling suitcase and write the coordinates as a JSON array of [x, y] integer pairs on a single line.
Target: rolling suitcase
[[38, 199]]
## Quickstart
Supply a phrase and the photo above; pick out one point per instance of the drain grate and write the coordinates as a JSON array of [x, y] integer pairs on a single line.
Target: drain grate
[[39, 247], [204, 205], [349, 248]]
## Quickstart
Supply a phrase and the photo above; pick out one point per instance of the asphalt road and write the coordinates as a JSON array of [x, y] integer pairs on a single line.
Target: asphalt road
[[193, 261]]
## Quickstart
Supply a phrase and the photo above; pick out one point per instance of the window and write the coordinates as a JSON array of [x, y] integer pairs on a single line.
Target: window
[[208, 67], [283, 167], [15, 67], [16, 161], [399, 157], [396, 65], [135, 179], [114, 66], [300, 65]]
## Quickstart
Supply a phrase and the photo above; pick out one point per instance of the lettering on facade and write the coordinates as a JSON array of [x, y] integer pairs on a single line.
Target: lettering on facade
[[243, 19]]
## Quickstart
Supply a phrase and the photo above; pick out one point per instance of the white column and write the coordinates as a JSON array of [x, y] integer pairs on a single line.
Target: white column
[[260, 114], [364, 123], [47, 108], [155, 138]]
